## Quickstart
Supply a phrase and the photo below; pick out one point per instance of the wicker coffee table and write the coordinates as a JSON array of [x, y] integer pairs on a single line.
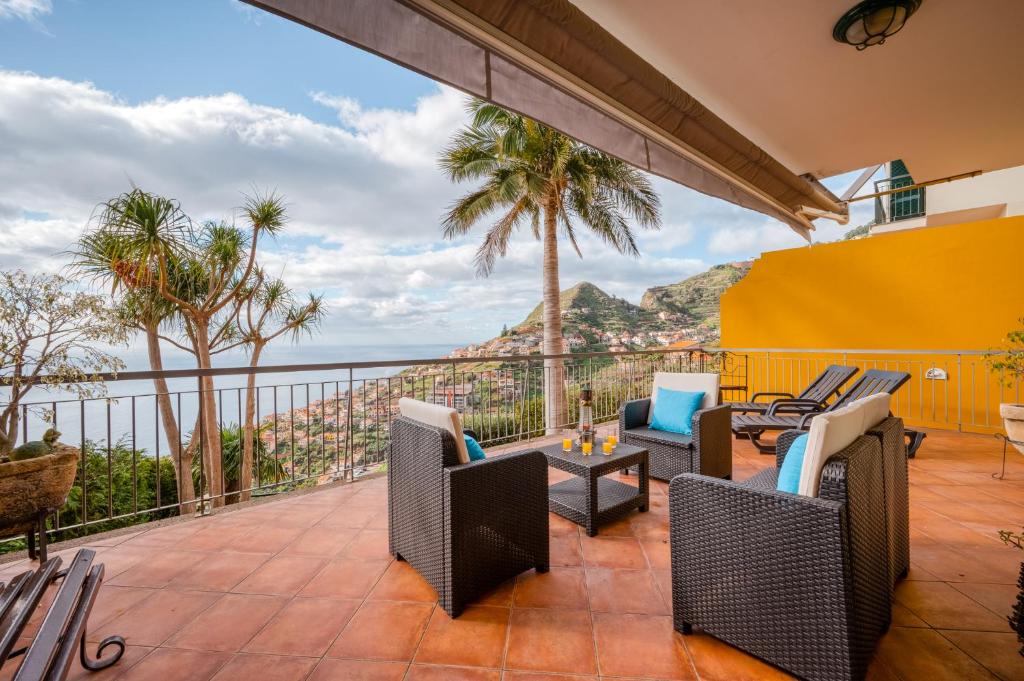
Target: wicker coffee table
[[589, 499]]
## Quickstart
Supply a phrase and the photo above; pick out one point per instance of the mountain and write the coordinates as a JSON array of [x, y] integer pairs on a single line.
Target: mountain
[[677, 314], [586, 305], [696, 299]]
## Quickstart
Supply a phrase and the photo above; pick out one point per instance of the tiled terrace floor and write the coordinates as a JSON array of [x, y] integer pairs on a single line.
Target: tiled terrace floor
[[304, 588]]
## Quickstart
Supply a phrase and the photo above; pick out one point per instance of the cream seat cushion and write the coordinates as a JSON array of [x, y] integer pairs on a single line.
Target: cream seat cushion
[[694, 383], [876, 409], [439, 417], [830, 433]]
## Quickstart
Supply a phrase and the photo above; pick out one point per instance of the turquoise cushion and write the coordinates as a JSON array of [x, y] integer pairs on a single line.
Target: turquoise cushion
[[674, 410], [476, 452], [789, 474]]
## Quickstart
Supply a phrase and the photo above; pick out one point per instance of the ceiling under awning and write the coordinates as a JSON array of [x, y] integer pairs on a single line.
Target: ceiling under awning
[[946, 94], [548, 60]]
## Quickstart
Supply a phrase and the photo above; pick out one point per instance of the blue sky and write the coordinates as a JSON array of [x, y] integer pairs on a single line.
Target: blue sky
[[176, 48], [202, 99]]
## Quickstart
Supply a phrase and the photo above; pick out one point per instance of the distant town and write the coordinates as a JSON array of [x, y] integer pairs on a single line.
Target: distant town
[[495, 392]]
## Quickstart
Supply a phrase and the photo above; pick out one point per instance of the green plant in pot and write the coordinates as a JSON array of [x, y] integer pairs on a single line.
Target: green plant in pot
[[1008, 363], [36, 448], [1016, 617]]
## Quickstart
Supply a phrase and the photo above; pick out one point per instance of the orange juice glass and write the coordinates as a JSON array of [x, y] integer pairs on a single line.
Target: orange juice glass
[[567, 444], [587, 447], [607, 447], [613, 440]]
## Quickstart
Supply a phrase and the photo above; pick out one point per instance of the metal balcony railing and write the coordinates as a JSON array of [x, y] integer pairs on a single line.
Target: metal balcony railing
[[314, 423], [898, 205], [326, 422]]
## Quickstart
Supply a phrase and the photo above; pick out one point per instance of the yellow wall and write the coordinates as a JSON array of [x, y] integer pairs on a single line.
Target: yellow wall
[[955, 287], [958, 287]]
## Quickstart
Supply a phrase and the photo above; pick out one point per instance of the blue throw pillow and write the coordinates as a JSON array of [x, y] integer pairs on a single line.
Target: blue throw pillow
[[789, 474], [674, 410], [476, 452]]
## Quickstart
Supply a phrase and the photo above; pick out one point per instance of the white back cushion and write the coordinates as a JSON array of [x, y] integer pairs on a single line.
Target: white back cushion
[[439, 417], [693, 383], [876, 408], [829, 434]]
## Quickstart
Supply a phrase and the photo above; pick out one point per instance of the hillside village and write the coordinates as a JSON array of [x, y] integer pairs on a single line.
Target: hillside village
[[676, 316]]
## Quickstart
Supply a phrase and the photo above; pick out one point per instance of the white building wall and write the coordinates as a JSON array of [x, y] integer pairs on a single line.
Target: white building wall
[[990, 195]]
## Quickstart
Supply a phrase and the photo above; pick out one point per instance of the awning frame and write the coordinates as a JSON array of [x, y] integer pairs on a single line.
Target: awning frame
[[516, 64]]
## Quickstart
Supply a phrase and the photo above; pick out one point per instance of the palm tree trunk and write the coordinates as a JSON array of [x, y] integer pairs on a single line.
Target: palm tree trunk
[[210, 427], [182, 465], [555, 412], [245, 474]]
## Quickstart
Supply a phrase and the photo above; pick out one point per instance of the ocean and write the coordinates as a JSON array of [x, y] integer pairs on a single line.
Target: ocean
[[129, 410]]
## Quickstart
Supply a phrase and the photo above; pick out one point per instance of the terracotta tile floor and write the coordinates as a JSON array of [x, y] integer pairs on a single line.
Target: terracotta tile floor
[[303, 588]]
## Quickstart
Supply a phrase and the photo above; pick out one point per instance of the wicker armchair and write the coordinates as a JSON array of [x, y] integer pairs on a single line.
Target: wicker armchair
[[464, 527], [708, 451], [801, 582]]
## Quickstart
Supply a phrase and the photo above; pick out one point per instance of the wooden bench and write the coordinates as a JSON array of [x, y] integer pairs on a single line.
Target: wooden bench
[[62, 631]]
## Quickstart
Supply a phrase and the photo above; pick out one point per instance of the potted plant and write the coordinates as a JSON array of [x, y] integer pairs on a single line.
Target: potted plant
[[1009, 364], [1016, 617], [34, 483], [50, 334]]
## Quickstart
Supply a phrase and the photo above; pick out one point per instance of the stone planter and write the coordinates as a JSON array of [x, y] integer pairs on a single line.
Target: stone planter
[[1013, 421], [32, 486]]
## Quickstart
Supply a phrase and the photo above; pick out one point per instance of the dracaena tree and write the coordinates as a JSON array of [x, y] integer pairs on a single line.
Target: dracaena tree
[[147, 244], [141, 308], [531, 174], [271, 310]]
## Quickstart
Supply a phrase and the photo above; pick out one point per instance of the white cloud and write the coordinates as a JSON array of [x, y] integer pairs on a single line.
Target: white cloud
[[365, 198], [70, 145], [407, 138], [26, 10]]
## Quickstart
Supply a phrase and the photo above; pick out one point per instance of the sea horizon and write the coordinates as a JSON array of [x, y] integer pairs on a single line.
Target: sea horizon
[[90, 419]]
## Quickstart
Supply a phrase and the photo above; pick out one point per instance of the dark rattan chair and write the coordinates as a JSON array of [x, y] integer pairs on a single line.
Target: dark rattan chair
[[464, 527], [707, 451], [872, 382], [817, 393], [798, 581]]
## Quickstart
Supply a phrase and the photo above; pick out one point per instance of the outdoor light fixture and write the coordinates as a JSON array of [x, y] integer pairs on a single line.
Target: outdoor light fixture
[[872, 21]]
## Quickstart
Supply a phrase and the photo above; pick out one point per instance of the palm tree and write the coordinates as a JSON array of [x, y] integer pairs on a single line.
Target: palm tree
[[534, 174], [232, 438]]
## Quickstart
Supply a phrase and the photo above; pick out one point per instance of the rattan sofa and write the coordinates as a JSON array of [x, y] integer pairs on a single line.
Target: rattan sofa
[[708, 450], [801, 582], [465, 527]]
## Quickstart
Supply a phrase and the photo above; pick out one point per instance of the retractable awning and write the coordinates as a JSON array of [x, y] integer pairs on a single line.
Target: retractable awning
[[547, 60]]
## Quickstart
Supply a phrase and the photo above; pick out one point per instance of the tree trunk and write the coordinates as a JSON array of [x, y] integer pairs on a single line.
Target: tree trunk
[[182, 465], [555, 412], [245, 474], [210, 425], [9, 427]]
